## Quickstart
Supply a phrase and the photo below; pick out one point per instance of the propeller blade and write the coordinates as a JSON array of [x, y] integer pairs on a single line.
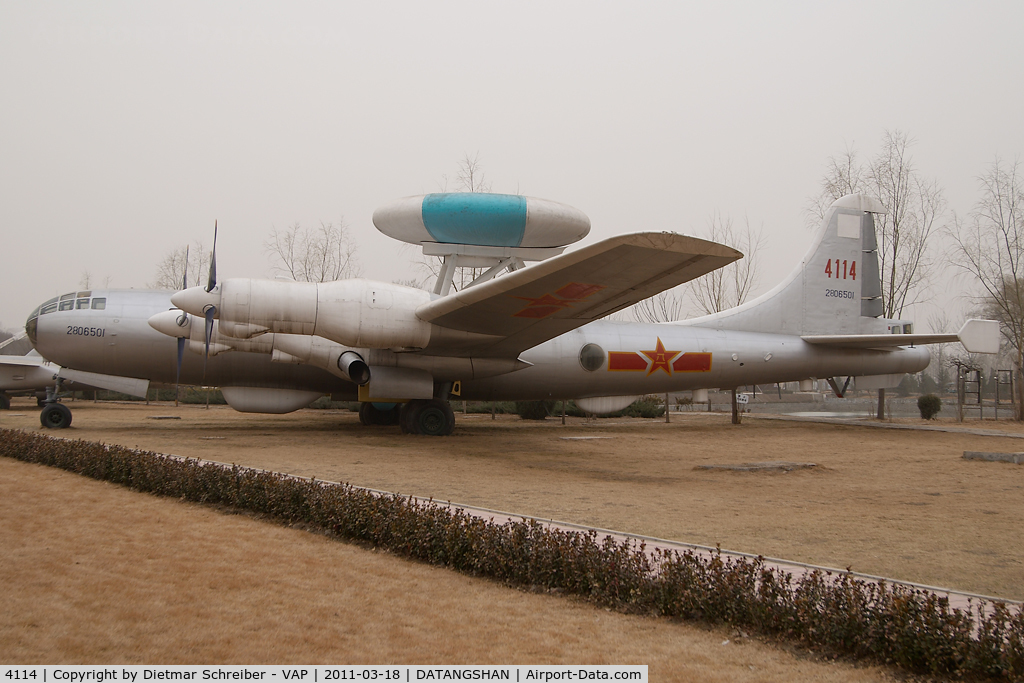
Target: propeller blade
[[210, 312], [177, 374], [213, 262], [184, 274]]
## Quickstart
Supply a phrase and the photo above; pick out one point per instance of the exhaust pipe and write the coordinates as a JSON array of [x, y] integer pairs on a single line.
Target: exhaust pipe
[[354, 367]]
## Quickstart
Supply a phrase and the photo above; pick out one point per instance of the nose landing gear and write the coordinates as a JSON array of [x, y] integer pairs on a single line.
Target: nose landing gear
[[54, 415]]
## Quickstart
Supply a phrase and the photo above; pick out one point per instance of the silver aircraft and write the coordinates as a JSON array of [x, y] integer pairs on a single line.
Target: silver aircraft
[[534, 333]]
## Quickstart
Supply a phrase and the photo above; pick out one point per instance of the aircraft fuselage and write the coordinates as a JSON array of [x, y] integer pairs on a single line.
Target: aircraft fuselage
[[603, 358]]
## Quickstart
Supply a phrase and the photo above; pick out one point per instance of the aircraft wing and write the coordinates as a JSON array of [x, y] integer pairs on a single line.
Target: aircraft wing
[[25, 373], [31, 373], [977, 336], [529, 306]]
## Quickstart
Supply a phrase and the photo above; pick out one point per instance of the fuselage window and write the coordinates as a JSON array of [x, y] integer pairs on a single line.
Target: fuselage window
[[67, 305], [82, 303], [591, 357], [99, 303]]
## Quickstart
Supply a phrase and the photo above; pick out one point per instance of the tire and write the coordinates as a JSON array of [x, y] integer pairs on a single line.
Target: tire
[[5, 402], [435, 418], [409, 415], [40, 402], [55, 416], [367, 414]]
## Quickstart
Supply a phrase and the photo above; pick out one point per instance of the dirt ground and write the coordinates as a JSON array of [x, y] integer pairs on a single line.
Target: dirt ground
[[895, 503], [92, 573]]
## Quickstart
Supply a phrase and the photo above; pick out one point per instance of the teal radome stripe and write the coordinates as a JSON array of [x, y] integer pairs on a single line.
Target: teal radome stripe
[[490, 220]]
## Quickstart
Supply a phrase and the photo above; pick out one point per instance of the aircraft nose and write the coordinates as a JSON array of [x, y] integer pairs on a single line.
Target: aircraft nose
[[172, 323], [196, 300]]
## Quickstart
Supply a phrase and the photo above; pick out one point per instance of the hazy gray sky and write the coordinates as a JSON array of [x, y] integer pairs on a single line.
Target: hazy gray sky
[[127, 128]]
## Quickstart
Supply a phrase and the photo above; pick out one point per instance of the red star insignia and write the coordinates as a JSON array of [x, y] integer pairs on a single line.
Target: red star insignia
[[660, 358]]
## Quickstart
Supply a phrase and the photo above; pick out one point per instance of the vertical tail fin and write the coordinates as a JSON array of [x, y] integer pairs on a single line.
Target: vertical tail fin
[[836, 289]]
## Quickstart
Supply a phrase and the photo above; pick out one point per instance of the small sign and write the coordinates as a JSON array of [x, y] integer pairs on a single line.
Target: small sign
[[743, 398]]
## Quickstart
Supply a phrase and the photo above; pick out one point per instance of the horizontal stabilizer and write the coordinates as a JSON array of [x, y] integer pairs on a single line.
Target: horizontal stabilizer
[[980, 336], [530, 306], [977, 336]]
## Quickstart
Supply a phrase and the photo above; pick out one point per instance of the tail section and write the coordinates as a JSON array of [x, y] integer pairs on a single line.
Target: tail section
[[836, 289]]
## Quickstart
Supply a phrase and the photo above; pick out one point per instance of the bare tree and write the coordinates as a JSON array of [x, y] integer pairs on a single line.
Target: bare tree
[[171, 271], [843, 175], [85, 282], [471, 175], [729, 286], [719, 289], [319, 255], [990, 248], [662, 307], [940, 322], [914, 206]]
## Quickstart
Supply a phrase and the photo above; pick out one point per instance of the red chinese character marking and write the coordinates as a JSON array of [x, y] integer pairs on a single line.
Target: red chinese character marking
[[546, 304]]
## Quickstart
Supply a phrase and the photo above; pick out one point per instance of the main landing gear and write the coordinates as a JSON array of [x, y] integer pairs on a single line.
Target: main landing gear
[[432, 417]]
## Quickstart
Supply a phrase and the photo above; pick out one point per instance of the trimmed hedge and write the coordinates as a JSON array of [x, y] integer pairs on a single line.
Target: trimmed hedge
[[894, 624]]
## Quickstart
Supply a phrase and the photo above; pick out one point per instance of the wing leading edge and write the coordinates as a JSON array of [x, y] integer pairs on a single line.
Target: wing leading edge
[[530, 306]]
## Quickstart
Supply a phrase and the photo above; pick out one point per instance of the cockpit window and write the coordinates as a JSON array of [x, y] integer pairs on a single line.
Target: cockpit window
[[84, 295], [65, 297], [99, 303], [82, 303], [67, 305], [48, 307]]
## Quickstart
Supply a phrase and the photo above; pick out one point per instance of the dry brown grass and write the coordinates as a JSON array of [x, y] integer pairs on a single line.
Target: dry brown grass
[[94, 573], [893, 503]]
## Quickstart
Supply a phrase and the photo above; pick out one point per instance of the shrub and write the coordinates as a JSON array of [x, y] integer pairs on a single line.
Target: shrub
[[929, 405], [649, 406], [534, 410]]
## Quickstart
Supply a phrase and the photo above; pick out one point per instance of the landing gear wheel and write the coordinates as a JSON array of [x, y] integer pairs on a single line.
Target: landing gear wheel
[[432, 418], [435, 418], [5, 402], [410, 412], [40, 402], [55, 416], [372, 414]]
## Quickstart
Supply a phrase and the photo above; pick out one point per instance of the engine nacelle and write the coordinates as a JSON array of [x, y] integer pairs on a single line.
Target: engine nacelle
[[358, 313], [375, 315]]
